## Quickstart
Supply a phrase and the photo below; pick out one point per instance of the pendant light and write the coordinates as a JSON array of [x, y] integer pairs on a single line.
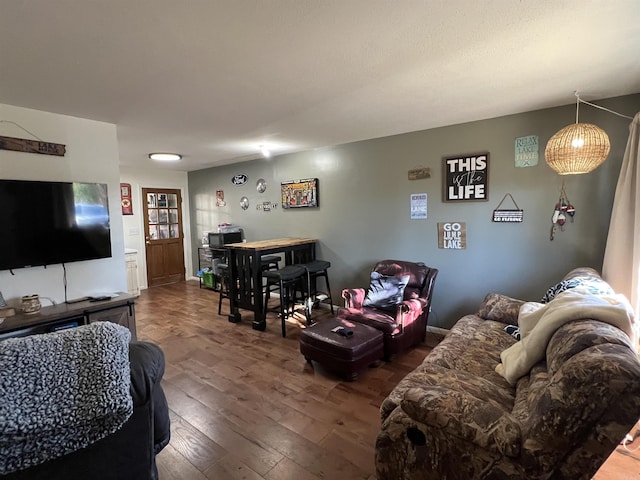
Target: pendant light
[[577, 148]]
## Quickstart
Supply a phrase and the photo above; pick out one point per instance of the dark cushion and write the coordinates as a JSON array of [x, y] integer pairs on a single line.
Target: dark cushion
[[385, 291], [147, 368]]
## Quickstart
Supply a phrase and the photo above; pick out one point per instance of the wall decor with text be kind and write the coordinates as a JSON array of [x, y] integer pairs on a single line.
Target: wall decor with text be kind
[[466, 178]]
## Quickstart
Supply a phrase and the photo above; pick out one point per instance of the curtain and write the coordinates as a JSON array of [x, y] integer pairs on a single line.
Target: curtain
[[621, 267]]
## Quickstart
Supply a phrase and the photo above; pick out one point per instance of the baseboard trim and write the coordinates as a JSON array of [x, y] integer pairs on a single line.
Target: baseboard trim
[[437, 330]]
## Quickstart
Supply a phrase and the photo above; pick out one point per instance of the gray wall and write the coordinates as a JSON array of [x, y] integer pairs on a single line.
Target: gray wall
[[364, 211]]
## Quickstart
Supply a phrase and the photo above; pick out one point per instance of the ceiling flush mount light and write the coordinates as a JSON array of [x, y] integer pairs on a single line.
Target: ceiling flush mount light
[[265, 151], [165, 157], [577, 148]]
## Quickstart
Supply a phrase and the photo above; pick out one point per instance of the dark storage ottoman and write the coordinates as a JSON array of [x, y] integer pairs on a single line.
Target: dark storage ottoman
[[345, 355]]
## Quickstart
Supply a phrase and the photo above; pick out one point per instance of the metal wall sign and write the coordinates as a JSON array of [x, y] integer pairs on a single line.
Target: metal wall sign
[[239, 179], [508, 216]]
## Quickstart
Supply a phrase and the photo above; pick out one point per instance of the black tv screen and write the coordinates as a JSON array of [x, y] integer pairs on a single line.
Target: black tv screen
[[45, 223]]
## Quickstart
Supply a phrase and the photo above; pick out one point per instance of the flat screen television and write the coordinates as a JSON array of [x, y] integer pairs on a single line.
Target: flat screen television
[[46, 223]]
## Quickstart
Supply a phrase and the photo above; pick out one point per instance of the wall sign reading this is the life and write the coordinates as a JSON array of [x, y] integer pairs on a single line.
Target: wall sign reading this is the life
[[466, 178]]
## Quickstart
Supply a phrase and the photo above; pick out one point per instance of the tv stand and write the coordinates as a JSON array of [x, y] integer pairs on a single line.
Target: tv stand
[[120, 310]]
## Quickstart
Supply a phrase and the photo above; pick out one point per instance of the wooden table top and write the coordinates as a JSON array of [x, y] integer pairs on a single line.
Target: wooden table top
[[273, 243]]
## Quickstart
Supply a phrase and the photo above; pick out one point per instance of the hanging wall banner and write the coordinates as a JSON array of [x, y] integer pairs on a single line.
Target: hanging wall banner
[[508, 216], [452, 235], [466, 178], [526, 151]]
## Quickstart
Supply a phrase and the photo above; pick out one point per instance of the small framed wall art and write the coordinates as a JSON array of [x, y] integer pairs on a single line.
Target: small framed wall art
[[299, 193]]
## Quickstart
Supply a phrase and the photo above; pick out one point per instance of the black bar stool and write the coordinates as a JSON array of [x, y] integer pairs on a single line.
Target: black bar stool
[[269, 262], [314, 270], [287, 280], [223, 273]]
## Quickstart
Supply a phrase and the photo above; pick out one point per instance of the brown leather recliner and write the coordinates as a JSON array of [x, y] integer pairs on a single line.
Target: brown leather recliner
[[401, 315]]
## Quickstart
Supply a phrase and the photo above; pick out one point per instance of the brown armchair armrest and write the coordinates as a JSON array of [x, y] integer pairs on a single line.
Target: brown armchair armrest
[[353, 297], [409, 310]]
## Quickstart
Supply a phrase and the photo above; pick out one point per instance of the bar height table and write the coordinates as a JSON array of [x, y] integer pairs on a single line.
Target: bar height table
[[245, 286]]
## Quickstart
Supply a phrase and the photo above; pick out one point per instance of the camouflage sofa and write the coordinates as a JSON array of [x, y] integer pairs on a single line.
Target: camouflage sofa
[[455, 417]]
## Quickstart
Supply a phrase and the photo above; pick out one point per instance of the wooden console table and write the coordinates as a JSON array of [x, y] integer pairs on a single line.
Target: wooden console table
[[120, 310], [245, 289]]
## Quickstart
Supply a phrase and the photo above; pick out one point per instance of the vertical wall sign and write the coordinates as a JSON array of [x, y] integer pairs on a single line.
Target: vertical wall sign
[[125, 199], [220, 198], [526, 151], [452, 235], [418, 206], [466, 178]]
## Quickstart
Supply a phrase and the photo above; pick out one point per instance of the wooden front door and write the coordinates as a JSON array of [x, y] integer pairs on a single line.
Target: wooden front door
[[163, 234]]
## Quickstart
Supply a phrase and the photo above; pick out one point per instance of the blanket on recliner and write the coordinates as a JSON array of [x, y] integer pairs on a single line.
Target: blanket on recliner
[[62, 391]]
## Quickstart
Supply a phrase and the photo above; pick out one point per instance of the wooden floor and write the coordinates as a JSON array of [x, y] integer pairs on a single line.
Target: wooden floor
[[244, 404]]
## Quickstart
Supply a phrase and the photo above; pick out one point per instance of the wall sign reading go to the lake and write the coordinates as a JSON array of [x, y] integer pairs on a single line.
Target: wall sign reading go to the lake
[[452, 235], [466, 178]]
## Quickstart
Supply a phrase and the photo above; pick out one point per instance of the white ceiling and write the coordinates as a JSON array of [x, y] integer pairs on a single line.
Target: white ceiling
[[214, 79]]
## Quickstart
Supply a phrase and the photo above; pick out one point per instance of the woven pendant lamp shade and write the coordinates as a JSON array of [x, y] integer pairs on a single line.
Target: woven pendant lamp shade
[[577, 148]]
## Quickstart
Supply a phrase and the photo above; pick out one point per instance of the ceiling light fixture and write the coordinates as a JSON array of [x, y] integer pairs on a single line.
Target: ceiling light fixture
[[577, 148], [165, 157], [265, 151]]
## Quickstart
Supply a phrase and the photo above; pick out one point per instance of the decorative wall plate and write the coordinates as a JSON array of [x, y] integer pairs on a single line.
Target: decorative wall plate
[[244, 203], [261, 185]]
